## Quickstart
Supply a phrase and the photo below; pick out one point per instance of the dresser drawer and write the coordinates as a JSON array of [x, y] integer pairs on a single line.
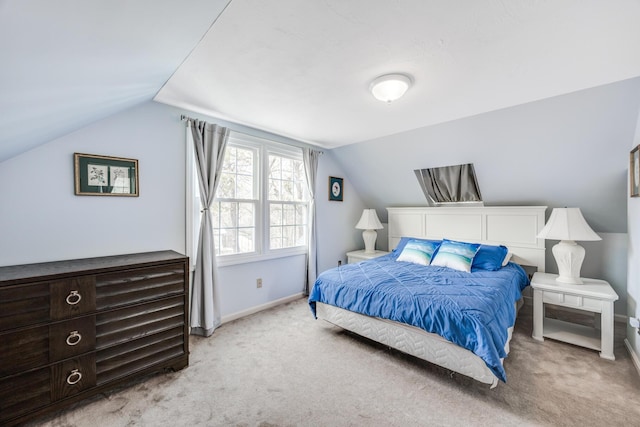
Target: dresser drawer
[[24, 349], [139, 285], [72, 297], [122, 326], [24, 305], [24, 393], [72, 337], [73, 376], [72, 329]]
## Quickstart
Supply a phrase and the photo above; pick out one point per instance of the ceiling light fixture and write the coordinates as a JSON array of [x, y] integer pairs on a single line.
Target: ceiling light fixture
[[390, 87]]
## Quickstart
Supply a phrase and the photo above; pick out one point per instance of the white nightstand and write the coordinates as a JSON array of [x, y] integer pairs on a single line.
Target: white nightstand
[[357, 256], [594, 295]]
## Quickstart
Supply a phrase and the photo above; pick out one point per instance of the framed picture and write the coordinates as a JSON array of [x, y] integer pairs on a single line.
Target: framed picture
[[634, 171], [97, 175], [336, 189]]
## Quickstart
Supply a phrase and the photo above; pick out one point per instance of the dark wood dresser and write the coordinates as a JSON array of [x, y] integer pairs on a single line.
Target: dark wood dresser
[[71, 329]]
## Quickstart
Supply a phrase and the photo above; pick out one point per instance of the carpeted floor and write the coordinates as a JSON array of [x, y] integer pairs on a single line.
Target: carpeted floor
[[281, 367]]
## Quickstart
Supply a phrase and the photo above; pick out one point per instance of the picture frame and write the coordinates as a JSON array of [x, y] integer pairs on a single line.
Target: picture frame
[[634, 172], [336, 189], [97, 175]]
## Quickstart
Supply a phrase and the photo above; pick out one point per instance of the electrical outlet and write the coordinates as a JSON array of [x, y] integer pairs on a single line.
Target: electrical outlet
[[258, 283]]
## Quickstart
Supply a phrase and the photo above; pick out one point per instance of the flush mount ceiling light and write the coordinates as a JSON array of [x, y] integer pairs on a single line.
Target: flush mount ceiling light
[[390, 87]]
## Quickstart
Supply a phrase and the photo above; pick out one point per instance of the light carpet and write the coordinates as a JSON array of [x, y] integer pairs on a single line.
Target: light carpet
[[281, 367]]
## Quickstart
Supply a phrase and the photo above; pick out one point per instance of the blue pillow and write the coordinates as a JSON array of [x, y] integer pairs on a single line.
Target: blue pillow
[[456, 255], [418, 251], [489, 258]]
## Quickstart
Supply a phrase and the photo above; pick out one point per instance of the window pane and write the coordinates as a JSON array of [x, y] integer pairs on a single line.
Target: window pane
[[227, 241], [227, 186], [244, 186], [274, 167], [229, 162], [246, 217], [301, 236], [275, 238], [289, 215], [275, 214], [228, 215], [245, 162], [288, 236], [246, 240], [287, 169]]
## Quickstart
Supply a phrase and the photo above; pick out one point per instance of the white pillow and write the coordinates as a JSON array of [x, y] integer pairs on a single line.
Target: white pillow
[[507, 258]]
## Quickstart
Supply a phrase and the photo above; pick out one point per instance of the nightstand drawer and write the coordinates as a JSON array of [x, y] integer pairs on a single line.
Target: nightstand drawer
[[574, 301]]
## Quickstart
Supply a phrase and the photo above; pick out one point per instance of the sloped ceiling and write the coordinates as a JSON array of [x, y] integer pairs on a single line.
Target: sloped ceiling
[[300, 68], [67, 63]]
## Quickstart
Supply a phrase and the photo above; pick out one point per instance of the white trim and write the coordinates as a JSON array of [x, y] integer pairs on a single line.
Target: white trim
[[258, 308], [235, 259], [634, 356]]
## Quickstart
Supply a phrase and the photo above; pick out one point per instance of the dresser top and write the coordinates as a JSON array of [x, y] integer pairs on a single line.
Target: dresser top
[[16, 274]]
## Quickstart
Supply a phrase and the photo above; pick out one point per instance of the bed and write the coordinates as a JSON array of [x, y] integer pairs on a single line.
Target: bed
[[434, 339]]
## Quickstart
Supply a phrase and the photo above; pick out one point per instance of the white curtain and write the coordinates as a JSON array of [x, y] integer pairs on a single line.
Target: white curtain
[[209, 143], [310, 158]]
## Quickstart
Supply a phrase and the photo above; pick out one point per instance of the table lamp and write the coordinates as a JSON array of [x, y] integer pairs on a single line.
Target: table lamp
[[568, 225], [369, 222]]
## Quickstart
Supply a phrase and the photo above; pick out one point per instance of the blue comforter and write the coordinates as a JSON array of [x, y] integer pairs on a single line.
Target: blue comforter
[[472, 310]]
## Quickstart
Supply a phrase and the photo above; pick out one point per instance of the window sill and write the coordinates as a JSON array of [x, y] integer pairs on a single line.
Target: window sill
[[228, 260]]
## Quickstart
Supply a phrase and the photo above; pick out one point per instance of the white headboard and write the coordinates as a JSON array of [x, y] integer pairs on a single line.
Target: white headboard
[[516, 227]]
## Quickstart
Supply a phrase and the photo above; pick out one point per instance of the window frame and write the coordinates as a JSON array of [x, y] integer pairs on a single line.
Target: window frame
[[262, 251]]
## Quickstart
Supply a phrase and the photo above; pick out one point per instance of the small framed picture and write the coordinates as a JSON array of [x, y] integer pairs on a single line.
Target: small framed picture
[[634, 171], [97, 175], [336, 189]]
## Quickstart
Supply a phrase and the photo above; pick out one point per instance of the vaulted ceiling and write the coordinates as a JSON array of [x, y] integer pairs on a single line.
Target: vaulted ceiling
[[300, 68]]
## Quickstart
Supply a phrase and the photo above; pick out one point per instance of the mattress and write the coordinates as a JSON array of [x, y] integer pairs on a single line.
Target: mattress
[[473, 311], [414, 341]]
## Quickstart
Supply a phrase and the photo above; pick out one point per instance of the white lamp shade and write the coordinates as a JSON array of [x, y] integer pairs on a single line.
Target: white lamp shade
[[390, 87], [567, 224], [369, 220]]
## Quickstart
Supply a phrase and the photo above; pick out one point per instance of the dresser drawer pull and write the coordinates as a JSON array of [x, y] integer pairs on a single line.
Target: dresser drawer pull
[[74, 377], [73, 298], [74, 338]]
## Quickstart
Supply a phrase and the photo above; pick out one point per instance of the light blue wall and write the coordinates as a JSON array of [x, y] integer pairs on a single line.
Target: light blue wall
[[633, 280], [571, 150], [42, 220]]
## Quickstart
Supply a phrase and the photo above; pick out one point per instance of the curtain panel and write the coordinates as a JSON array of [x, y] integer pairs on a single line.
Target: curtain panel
[[209, 142], [310, 159]]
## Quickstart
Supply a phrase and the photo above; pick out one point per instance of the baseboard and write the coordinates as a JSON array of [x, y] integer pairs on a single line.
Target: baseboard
[[258, 308], [634, 356]]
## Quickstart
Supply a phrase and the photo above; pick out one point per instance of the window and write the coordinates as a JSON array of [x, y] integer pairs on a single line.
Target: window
[[287, 202], [261, 206], [234, 209]]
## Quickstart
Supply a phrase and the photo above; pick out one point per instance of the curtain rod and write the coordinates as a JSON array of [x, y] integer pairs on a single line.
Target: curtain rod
[[187, 118]]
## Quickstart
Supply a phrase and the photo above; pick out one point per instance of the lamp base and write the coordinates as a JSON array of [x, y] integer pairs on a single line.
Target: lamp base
[[569, 256], [369, 237]]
